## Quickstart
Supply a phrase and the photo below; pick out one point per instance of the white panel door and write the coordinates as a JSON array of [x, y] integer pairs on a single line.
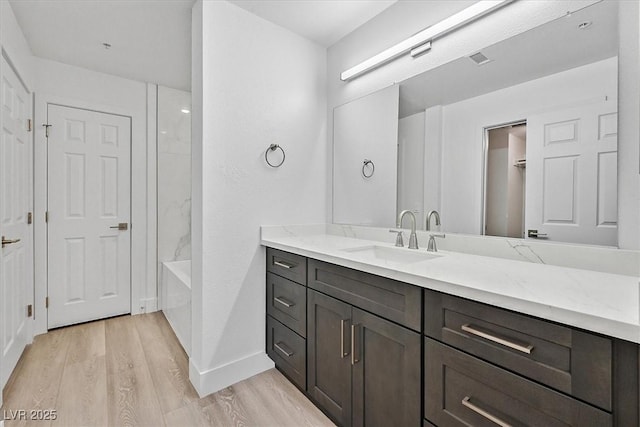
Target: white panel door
[[571, 190], [16, 256], [89, 175]]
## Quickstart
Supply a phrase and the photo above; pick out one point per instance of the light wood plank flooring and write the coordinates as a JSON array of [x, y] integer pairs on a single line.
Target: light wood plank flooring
[[132, 371]]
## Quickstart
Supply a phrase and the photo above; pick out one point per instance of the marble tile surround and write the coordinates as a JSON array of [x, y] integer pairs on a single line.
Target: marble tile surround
[[174, 175]]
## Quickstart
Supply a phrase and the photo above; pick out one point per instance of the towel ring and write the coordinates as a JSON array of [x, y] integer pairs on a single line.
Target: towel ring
[[274, 147], [373, 168]]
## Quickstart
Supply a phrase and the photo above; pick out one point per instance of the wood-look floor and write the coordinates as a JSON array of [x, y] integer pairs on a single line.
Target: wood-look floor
[[130, 371]]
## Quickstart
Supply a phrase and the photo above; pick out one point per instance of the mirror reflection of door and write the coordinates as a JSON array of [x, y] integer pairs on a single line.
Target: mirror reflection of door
[[572, 188], [505, 180]]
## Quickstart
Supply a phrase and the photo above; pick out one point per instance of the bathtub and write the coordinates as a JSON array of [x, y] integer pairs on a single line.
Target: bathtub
[[175, 299]]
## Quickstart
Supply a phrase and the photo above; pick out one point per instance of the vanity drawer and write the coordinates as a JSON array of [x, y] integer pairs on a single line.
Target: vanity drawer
[[288, 351], [288, 265], [568, 360], [461, 390], [287, 302], [390, 299]]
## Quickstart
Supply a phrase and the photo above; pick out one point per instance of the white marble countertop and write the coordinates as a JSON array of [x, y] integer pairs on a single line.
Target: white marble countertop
[[601, 302]]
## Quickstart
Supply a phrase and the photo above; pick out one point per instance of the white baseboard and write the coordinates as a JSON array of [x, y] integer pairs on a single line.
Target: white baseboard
[[146, 305], [216, 379]]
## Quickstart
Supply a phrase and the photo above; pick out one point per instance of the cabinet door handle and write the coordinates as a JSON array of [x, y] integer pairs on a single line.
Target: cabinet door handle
[[283, 264], [467, 402], [343, 323], [488, 335], [354, 359], [283, 301], [281, 348]]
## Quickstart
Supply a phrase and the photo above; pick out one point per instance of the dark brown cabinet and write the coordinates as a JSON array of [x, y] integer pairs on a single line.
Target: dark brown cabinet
[[287, 314], [362, 369], [329, 355], [463, 390], [386, 373], [352, 341], [491, 366], [565, 359]]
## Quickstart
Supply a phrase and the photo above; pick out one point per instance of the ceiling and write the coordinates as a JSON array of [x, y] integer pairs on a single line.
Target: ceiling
[[323, 21], [151, 39], [548, 49]]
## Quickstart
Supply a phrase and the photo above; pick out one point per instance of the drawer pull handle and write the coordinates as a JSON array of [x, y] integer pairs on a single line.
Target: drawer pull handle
[[283, 301], [343, 323], [467, 402], [283, 264], [480, 332], [354, 359], [281, 348]]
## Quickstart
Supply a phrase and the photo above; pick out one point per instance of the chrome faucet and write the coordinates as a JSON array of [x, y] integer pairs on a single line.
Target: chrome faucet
[[399, 242], [429, 215], [413, 238], [431, 247]]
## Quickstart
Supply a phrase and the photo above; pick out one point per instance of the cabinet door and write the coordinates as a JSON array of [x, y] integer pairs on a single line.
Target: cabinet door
[[328, 351], [386, 373]]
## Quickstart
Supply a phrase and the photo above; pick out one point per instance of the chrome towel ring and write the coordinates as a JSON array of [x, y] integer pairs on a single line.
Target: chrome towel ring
[[366, 163], [274, 147]]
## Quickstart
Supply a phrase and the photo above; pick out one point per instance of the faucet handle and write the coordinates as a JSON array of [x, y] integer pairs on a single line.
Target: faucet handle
[[399, 241], [431, 247]]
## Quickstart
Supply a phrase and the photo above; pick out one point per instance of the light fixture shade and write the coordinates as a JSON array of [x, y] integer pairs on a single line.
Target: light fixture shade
[[445, 26]]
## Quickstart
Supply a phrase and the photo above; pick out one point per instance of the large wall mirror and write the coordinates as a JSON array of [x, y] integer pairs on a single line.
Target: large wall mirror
[[518, 139]]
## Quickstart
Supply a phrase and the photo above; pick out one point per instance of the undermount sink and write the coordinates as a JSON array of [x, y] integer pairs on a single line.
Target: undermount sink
[[391, 254]]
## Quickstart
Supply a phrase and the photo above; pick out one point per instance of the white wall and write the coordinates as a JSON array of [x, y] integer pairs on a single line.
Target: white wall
[[411, 146], [15, 45], [260, 84], [464, 123], [366, 129], [78, 87], [433, 159]]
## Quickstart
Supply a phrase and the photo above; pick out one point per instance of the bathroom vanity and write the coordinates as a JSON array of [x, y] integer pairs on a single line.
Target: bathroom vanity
[[374, 335]]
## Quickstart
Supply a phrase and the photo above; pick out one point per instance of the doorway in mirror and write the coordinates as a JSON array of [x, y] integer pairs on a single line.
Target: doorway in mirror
[[505, 177]]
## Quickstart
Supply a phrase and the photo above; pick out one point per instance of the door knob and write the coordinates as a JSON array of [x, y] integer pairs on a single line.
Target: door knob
[[6, 242], [121, 226]]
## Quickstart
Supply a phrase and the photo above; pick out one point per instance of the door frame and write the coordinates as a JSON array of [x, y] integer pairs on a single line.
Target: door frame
[[485, 161], [143, 287]]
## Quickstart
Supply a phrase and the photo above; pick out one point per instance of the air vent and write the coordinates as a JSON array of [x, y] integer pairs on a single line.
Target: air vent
[[479, 58]]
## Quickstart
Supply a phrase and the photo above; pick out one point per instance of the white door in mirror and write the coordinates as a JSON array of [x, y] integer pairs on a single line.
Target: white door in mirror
[[571, 174]]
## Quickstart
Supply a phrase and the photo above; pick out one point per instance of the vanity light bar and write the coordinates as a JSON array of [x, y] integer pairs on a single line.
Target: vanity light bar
[[445, 26]]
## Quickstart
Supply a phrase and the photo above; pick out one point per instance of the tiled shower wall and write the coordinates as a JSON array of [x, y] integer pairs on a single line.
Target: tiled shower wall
[[174, 175]]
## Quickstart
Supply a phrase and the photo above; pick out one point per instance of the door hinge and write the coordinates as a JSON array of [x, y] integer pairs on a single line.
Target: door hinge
[[46, 302], [29, 125], [29, 218], [29, 310], [46, 216], [46, 129]]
